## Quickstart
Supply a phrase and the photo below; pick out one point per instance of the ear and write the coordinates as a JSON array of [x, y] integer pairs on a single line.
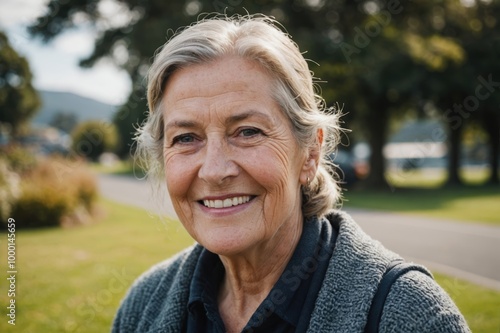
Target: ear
[[312, 160]]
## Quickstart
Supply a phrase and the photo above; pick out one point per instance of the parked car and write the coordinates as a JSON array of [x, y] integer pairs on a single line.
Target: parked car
[[348, 169]]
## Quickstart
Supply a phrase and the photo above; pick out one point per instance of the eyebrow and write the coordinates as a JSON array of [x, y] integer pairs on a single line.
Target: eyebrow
[[181, 124], [245, 115], [229, 121]]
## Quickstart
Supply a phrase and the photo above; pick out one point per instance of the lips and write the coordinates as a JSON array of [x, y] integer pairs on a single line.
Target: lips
[[226, 203]]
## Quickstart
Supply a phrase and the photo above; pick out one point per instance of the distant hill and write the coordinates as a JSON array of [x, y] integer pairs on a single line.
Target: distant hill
[[84, 108]]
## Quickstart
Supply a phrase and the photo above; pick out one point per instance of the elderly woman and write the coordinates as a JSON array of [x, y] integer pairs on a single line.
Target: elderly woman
[[240, 137]]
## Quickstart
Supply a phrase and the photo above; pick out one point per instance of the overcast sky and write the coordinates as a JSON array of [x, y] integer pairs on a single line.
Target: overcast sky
[[55, 65]]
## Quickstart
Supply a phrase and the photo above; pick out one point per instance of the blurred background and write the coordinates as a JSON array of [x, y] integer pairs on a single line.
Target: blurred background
[[418, 83]]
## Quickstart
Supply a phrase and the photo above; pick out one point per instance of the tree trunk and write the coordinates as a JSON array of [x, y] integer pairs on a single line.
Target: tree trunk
[[377, 131], [454, 137], [491, 122]]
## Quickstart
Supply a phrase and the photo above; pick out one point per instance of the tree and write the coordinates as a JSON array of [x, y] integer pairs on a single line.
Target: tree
[[469, 92], [127, 119], [379, 61], [65, 121], [484, 46], [92, 138], [18, 99], [143, 31], [378, 57], [314, 26]]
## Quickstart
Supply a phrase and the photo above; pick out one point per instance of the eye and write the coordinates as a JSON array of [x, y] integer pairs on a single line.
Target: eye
[[184, 138], [249, 132]]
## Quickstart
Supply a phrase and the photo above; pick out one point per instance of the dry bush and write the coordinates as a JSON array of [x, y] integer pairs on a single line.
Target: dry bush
[[54, 193], [41, 204], [18, 158], [9, 189], [86, 187]]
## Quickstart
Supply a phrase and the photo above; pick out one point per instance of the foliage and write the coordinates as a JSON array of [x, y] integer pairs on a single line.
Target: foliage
[[381, 59], [55, 192], [92, 138], [42, 204], [18, 99], [9, 189], [86, 188], [465, 94], [18, 158], [65, 121], [127, 119]]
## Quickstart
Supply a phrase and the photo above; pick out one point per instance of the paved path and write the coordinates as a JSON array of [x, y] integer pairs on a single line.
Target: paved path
[[464, 250]]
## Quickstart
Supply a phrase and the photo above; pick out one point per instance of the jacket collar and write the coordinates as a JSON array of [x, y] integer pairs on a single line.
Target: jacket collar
[[356, 267], [172, 299]]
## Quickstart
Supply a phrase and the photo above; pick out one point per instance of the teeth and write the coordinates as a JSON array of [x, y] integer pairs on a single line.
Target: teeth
[[226, 202]]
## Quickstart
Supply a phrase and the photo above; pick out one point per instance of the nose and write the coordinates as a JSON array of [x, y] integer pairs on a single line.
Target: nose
[[218, 164]]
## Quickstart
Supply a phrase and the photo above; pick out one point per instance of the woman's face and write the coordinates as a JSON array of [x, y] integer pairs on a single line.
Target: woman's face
[[233, 168]]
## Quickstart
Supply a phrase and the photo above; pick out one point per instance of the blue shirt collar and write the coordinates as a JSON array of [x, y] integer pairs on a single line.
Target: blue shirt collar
[[293, 296]]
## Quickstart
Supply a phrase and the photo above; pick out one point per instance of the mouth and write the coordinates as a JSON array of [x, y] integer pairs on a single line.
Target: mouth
[[226, 203]]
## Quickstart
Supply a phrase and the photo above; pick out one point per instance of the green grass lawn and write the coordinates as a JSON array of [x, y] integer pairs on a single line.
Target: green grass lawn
[[480, 306], [470, 203], [421, 192], [72, 280]]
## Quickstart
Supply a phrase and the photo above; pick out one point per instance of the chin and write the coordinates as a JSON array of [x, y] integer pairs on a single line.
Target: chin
[[225, 242]]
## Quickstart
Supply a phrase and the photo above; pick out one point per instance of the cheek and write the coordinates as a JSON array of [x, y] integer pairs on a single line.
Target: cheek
[[276, 165], [278, 171], [273, 173], [178, 176]]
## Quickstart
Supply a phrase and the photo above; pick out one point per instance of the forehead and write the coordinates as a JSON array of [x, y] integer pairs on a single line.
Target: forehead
[[215, 79]]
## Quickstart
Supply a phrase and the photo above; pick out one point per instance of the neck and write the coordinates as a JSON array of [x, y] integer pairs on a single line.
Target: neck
[[250, 277]]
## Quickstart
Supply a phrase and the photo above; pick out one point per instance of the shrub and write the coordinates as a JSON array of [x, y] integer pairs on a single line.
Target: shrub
[[42, 204], [57, 191], [18, 159], [9, 189], [92, 138], [86, 187]]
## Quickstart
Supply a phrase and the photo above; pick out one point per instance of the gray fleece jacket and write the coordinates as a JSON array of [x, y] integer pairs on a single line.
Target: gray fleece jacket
[[157, 301]]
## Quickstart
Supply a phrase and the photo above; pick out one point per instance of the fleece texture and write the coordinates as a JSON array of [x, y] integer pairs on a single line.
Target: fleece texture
[[157, 301]]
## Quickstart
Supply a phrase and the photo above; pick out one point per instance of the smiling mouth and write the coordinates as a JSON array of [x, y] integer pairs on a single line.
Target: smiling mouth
[[226, 203]]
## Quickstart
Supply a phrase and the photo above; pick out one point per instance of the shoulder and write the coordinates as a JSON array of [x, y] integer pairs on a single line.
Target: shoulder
[[355, 246], [166, 271], [356, 267], [153, 288], [416, 303]]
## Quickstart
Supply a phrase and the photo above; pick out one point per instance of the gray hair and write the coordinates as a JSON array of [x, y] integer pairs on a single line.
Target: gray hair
[[255, 37]]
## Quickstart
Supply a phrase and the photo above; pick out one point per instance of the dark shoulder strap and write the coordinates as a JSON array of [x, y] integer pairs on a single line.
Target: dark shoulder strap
[[395, 269]]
